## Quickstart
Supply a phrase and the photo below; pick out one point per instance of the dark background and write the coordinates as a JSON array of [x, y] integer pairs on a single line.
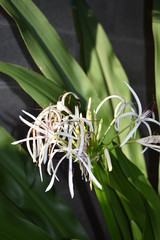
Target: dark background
[[128, 25]]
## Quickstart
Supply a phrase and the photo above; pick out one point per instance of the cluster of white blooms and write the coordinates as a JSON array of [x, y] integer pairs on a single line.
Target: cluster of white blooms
[[58, 131], [136, 116]]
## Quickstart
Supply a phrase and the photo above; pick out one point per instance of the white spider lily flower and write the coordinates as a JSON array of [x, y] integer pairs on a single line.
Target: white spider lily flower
[[74, 152], [152, 142], [118, 111], [136, 118], [56, 130]]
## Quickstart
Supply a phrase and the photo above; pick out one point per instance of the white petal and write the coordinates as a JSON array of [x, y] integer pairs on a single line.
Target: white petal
[[70, 177], [62, 107], [127, 114], [27, 139], [116, 111], [54, 174], [40, 172], [152, 120], [36, 127], [136, 98], [148, 127], [106, 99], [108, 158], [90, 174], [82, 142], [66, 94], [130, 134], [30, 115]]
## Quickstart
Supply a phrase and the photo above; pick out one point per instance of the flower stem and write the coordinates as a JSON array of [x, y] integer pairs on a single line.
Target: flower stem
[[125, 128]]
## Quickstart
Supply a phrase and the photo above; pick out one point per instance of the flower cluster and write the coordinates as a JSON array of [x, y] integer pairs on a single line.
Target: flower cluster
[[55, 131], [59, 132], [136, 117]]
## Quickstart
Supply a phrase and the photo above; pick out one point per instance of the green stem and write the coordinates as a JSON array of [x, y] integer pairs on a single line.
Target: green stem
[[117, 145], [125, 128]]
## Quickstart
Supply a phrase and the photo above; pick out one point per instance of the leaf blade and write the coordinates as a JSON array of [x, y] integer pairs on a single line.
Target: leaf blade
[[48, 211], [104, 69], [48, 50], [156, 37], [139, 203], [41, 89]]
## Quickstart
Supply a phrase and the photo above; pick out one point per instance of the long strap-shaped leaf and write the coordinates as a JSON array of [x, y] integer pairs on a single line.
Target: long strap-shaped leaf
[[112, 209], [47, 49], [26, 193], [128, 200], [103, 67], [156, 36], [52, 57], [14, 224], [97, 56], [41, 89]]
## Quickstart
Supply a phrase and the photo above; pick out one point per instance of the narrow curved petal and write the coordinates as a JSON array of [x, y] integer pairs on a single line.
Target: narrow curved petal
[[90, 174], [127, 114], [27, 139], [136, 98], [66, 94], [70, 176], [148, 128], [152, 120], [36, 127], [54, 174], [130, 134], [117, 111], [40, 172], [106, 99]]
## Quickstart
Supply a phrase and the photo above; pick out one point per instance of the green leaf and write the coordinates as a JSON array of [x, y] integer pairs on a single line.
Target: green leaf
[[97, 56], [114, 214], [21, 185], [136, 231], [48, 50], [148, 204], [56, 63], [15, 225], [156, 37], [104, 70], [41, 89], [133, 199]]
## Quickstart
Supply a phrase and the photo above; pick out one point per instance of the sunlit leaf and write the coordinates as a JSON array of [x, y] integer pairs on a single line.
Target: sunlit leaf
[[156, 36], [48, 50], [97, 56], [103, 68]]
